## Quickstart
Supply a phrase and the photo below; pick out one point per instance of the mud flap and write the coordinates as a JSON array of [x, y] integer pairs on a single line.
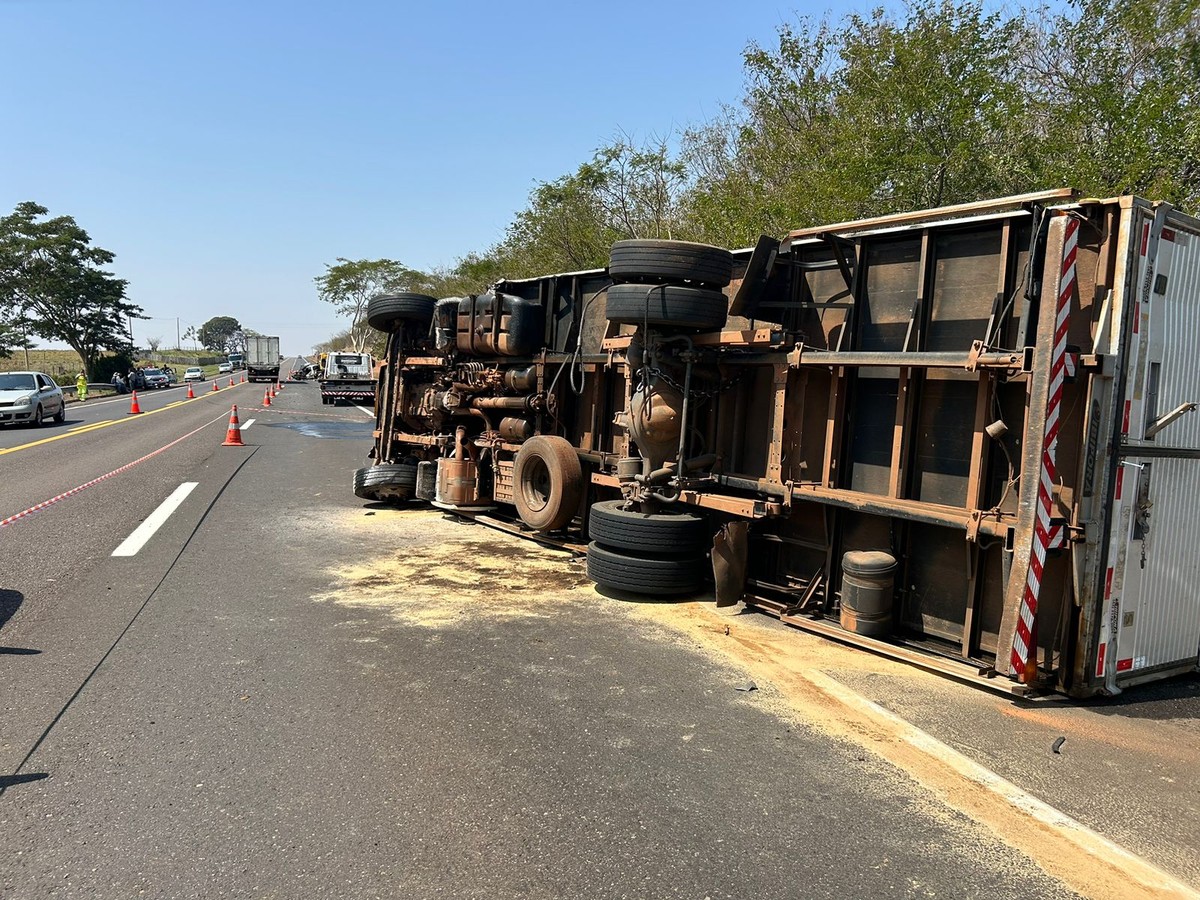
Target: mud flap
[[729, 562]]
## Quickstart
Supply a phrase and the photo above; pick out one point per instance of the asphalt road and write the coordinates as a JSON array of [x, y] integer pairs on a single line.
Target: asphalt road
[[288, 693]]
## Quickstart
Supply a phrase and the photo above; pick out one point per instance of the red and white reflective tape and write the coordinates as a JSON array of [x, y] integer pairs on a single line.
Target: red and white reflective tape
[[1023, 639], [125, 468]]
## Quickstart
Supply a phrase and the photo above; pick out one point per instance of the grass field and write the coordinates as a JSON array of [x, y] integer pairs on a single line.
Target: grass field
[[64, 365], [61, 365]]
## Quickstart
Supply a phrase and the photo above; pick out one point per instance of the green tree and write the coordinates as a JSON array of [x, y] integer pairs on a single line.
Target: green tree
[[219, 334], [875, 115], [624, 191], [1118, 98], [52, 281], [350, 284], [11, 338]]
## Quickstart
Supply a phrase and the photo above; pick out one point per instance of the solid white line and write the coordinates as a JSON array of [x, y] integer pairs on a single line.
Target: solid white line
[[1139, 870], [247, 424], [132, 544], [369, 412]]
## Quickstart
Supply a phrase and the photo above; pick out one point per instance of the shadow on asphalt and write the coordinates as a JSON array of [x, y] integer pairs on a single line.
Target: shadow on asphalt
[[10, 601], [1174, 698], [645, 599], [7, 781]]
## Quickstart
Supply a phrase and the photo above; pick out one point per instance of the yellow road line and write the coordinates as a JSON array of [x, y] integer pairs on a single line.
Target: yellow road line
[[94, 426], [58, 437]]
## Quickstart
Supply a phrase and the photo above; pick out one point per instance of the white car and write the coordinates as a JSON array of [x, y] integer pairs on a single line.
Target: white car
[[224, 368], [193, 373], [30, 397]]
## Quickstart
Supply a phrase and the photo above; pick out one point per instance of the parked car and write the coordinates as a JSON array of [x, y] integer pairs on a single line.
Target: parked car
[[30, 397], [224, 368], [193, 373], [156, 378]]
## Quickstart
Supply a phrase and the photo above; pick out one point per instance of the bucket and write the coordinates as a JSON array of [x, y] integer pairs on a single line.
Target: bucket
[[868, 578]]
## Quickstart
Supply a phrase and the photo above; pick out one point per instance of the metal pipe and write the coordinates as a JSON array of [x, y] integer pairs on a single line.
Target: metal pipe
[[521, 403], [683, 413], [928, 359]]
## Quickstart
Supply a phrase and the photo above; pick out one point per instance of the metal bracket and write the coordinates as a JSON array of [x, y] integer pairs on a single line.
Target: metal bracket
[[794, 355], [977, 348], [973, 523]]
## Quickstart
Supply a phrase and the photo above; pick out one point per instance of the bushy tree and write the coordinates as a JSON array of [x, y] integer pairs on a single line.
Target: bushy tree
[[624, 191], [874, 115], [220, 334], [1118, 98], [51, 280], [350, 284]]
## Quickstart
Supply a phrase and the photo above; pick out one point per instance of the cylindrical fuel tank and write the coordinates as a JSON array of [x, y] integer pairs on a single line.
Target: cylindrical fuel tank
[[514, 429], [868, 584], [499, 324]]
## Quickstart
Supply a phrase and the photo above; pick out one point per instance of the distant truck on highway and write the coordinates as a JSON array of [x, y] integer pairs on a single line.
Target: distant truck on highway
[[262, 358], [348, 376]]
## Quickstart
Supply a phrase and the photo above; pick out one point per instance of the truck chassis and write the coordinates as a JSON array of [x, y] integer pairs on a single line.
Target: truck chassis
[[947, 436]]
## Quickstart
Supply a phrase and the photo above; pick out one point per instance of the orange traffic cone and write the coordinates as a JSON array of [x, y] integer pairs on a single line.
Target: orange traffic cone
[[191, 394], [233, 437], [267, 398], [279, 385], [216, 387], [231, 381], [243, 381], [272, 390], [134, 409]]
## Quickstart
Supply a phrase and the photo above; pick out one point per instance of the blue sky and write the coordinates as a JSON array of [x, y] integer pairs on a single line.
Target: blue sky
[[226, 151]]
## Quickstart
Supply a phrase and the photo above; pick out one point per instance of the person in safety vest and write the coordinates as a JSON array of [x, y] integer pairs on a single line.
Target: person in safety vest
[[81, 386]]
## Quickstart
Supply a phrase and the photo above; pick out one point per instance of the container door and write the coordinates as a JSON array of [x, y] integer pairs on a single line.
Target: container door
[[1152, 582]]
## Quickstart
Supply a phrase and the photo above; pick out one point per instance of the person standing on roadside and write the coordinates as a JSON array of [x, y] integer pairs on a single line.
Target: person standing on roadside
[[80, 386]]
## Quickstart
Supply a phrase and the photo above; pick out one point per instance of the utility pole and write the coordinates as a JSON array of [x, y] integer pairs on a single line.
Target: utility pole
[[178, 344]]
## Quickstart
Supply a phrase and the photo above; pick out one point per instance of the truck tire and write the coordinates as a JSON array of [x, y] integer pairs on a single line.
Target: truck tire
[[386, 481], [666, 304], [547, 482], [670, 261], [683, 532], [653, 576], [388, 312]]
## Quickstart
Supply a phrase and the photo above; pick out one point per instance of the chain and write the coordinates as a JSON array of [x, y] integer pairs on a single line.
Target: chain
[[698, 396]]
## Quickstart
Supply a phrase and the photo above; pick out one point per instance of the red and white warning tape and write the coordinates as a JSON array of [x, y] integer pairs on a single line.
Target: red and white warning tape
[[1023, 639], [125, 468]]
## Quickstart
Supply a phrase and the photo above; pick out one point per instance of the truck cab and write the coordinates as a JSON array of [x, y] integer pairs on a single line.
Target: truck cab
[[347, 375]]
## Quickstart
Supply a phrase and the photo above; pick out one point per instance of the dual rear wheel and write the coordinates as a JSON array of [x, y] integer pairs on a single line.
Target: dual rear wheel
[[649, 553]]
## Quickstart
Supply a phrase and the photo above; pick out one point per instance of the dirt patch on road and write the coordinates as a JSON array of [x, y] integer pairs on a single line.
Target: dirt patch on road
[[436, 578], [440, 573]]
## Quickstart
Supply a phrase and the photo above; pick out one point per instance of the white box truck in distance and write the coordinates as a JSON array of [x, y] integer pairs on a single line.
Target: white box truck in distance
[[262, 358]]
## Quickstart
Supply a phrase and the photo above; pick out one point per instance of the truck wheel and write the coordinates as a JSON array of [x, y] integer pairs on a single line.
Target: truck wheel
[[386, 481], [547, 482], [649, 575], [666, 304], [670, 261], [661, 532], [388, 312]]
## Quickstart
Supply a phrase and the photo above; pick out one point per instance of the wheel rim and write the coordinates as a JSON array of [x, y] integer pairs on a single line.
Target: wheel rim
[[37, 416], [537, 485]]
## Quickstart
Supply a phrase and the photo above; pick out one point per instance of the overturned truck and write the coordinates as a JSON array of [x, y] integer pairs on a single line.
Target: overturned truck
[[963, 437]]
